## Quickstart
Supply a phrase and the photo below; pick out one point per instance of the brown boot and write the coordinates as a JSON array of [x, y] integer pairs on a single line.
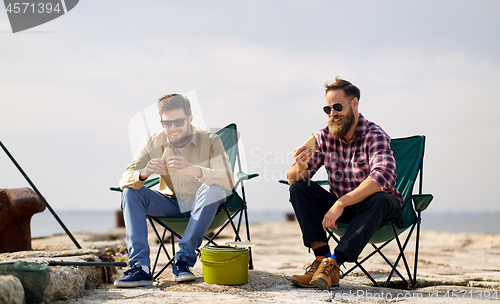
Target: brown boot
[[305, 279], [327, 274]]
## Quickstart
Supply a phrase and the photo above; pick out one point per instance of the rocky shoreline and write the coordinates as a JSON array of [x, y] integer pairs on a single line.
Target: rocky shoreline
[[452, 266]]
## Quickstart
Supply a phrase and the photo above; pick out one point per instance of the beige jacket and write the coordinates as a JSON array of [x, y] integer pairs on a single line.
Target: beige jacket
[[204, 150]]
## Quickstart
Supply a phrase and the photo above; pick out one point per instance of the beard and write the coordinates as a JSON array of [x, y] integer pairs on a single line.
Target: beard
[[340, 130], [182, 139]]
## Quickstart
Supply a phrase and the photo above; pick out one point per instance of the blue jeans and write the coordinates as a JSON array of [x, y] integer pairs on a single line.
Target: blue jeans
[[137, 204]]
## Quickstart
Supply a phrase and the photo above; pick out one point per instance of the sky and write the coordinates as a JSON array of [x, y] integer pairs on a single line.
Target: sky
[[70, 87]]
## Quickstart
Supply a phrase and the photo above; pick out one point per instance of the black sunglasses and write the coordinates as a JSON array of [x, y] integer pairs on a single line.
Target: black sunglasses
[[336, 106], [177, 122]]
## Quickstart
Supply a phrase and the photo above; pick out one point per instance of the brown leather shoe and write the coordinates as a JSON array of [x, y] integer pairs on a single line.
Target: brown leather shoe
[[327, 274], [305, 279]]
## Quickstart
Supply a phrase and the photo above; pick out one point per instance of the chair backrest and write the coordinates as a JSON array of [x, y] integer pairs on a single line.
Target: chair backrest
[[229, 138], [409, 155]]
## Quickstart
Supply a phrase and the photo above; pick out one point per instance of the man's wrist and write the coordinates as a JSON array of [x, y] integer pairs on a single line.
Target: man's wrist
[[302, 167], [339, 204], [198, 172], [143, 177]]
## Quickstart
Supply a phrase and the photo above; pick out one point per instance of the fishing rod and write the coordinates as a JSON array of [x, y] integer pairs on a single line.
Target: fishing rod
[[100, 264], [40, 195], [62, 263]]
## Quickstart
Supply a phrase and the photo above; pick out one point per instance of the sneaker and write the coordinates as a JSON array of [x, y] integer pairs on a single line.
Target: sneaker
[[181, 272], [327, 274], [135, 277], [305, 279]]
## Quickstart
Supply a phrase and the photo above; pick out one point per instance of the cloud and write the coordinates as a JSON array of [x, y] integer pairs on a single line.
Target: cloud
[[261, 65]]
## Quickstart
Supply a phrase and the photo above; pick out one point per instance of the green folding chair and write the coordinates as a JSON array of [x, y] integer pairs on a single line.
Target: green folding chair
[[233, 210], [409, 155]]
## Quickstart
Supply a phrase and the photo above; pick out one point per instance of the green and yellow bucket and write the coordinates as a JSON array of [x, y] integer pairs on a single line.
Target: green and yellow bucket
[[225, 265]]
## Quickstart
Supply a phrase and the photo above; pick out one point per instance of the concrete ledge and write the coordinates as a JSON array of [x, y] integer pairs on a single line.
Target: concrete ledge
[[65, 282]]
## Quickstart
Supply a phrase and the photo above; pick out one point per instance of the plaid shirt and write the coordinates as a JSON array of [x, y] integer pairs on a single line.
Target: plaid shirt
[[367, 155]]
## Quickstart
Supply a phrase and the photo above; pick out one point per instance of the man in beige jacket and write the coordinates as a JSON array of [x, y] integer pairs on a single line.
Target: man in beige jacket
[[194, 169]]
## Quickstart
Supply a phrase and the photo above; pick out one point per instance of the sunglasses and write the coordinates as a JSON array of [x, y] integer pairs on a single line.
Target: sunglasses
[[177, 122], [338, 107]]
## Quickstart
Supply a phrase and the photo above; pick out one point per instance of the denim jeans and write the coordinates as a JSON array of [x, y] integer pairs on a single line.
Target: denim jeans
[[137, 204]]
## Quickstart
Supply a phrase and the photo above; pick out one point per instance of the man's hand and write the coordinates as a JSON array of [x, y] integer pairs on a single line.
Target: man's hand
[[181, 165], [302, 155], [154, 166], [332, 216], [299, 170]]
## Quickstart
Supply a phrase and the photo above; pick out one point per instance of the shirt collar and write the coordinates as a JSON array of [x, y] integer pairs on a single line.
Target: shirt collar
[[195, 138], [362, 126]]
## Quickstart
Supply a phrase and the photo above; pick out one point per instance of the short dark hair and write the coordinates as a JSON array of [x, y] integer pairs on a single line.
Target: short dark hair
[[174, 101], [349, 89]]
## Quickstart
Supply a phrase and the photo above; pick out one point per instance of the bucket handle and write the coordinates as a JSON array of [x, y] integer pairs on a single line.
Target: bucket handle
[[222, 263]]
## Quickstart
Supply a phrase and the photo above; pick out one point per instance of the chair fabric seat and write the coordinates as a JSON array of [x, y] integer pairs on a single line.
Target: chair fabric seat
[[384, 234], [179, 224]]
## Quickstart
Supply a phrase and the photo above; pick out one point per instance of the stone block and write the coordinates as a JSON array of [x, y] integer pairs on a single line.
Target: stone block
[[17, 206], [11, 290]]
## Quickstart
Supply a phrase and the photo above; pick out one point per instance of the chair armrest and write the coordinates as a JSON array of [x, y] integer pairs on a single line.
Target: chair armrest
[[246, 176], [150, 183], [243, 176], [115, 189], [319, 182], [421, 201]]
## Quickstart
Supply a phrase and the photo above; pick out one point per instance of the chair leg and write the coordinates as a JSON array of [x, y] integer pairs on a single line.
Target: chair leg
[[377, 249], [250, 262], [170, 262], [358, 265], [401, 255], [393, 269], [159, 251], [242, 212], [162, 245], [236, 231], [417, 245]]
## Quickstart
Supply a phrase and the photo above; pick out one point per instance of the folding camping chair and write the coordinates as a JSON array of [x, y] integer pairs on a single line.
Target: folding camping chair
[[409, 155], [235, 207]]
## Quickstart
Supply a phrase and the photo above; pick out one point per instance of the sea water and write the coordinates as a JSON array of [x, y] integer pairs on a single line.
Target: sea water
[[44, 224]]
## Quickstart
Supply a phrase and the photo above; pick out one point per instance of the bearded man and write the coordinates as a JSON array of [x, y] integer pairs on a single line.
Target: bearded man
[[361, 171]]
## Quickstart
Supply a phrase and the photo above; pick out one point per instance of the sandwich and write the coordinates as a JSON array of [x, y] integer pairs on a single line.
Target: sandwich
[[311, 142]]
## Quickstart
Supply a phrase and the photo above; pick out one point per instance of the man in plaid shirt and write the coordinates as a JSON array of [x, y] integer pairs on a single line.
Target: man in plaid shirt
[[361, 171]]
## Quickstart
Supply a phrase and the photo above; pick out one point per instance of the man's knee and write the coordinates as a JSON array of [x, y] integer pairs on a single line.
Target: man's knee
[[379, 200], [129, 194], [381, 203], [210, 189], [211, 194], [299, 186], [302, 189], [136, 196]]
